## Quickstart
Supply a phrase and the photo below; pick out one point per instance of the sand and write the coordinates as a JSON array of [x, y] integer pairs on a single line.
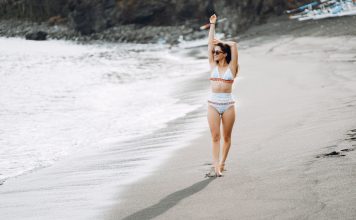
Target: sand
[[296, 105]]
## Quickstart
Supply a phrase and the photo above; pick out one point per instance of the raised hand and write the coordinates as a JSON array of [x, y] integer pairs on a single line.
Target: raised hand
[[216, 41], [213, 18]]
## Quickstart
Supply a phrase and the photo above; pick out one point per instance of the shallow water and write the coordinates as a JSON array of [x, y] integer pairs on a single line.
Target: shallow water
[[80, 121]]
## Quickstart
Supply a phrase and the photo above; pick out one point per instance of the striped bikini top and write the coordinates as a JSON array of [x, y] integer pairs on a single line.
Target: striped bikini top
[[227, 77]]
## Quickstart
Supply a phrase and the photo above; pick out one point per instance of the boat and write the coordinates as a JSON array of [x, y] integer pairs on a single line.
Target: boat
[[324, 9]]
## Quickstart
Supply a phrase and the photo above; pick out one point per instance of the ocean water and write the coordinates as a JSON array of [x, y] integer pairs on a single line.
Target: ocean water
[[80, 121]]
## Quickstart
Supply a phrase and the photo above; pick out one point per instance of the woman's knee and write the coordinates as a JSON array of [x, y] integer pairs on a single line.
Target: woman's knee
[[227, 138], [215, 137]]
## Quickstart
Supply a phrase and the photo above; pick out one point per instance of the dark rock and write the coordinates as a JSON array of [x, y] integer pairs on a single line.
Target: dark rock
[[38, 35], [347, 149], [92, 16], [332, 153]]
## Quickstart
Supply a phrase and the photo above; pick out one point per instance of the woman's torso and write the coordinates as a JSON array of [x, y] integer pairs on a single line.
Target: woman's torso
[[221, 82]]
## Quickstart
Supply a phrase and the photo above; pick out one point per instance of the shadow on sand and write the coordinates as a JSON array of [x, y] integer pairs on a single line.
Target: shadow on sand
[[169, 201]]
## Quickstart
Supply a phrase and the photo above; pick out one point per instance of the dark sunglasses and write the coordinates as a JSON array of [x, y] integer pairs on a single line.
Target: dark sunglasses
[[217, 52]]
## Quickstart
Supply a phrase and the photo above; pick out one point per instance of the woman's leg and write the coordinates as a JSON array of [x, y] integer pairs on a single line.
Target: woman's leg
[[214, 124], [228, 119]]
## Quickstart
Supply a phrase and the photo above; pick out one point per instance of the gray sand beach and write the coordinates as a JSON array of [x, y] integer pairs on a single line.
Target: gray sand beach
[[70, 149], [293, 146]]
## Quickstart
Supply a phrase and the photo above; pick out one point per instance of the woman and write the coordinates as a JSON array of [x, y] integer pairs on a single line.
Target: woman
[[223, 60]]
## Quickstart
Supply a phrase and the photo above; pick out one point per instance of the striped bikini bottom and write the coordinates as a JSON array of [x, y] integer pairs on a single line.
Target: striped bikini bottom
[[221, 101]]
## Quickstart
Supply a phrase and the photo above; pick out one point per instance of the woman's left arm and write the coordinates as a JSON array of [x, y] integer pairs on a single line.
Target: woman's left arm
[[234, 63]]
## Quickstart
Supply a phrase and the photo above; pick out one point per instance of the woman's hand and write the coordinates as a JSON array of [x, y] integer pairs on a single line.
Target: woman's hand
[[216, 41], [213, 19]]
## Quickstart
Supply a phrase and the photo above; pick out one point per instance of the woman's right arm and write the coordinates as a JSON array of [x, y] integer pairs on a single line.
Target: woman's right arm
[[211, 39]]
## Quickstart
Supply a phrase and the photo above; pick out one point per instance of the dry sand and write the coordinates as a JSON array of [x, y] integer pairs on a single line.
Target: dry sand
[[296, 103]]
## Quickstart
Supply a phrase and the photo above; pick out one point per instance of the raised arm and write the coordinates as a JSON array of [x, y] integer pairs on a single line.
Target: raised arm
[[211, 39], [234, 63]]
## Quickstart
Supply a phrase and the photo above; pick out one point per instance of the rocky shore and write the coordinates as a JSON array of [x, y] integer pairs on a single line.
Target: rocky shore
[[153, 21], [133, 33], [138, 33], [136, 21]]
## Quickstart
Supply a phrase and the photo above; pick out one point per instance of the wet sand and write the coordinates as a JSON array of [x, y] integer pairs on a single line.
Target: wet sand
[[293, 145]]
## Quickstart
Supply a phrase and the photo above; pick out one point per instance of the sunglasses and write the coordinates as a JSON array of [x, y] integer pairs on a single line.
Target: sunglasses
[[217, 52]]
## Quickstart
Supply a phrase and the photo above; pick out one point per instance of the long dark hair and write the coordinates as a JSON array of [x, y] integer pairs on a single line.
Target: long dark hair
[[226, 49]]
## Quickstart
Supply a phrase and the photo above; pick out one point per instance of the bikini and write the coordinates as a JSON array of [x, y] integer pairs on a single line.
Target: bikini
[[219, 100]]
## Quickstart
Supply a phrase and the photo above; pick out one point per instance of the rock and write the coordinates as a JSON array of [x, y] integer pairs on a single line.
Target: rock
[[38, 35], [92, 16]]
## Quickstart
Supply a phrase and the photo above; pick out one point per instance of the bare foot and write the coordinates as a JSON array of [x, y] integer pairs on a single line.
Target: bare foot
[[214, 171], [222, 167], [211, 173], [217, 170], [218, 173]]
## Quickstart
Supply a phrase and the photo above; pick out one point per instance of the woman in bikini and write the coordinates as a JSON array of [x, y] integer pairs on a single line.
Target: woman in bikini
[[224, 67]]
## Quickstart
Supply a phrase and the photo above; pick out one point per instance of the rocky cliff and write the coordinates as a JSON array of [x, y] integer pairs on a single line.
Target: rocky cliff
[[92, 16]]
